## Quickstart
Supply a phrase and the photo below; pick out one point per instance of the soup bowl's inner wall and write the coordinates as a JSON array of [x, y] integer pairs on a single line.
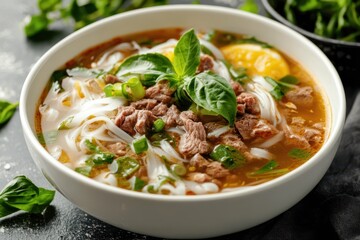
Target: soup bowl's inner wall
[[186, 217]]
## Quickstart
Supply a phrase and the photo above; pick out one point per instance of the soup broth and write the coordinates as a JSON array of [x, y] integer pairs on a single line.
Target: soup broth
[[182, 112]]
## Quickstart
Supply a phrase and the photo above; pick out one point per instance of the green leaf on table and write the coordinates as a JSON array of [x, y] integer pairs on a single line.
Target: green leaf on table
[[22, 194], [36, 24], [49, 5], [7, 110]]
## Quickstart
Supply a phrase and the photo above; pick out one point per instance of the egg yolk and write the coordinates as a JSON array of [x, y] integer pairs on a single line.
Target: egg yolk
[[256, 59]]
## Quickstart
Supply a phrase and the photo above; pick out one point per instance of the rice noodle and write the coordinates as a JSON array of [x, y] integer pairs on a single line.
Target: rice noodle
[[270, 142], [219, 131], [268, 109], [107, 178], [176, 130], [214, 50], [261, 153], [170, 150]]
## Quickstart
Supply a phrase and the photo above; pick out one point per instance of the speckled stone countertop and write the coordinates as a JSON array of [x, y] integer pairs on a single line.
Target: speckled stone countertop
[[62, 220]]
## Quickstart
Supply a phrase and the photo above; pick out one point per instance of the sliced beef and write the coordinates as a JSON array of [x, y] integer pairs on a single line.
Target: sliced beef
[[144, 104], [187, 115], [238, 89], [211, 168], [160, 109], [126, 119], [295, 139], [216, 170], [313, 136], [145, 121], [118, 148], [206, 63], [194, 140], [233, 140], [129, 119], [297, 121], [160, 92], [301, 96], [171, 117], [111, 79], [247, 102], [250, 126]]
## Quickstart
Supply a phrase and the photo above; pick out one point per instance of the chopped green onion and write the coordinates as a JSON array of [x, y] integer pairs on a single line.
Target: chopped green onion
[[289, 79], [86, 170], [138, 184], [229, 157], [126, 166], [109, 90], [266, 168], [140, 145], [64, 125], [178, 169], [159, 125], [300, 154], [157, 137], [277, 92], [92, 147], [269, 174], [100, 159], [137, 90]]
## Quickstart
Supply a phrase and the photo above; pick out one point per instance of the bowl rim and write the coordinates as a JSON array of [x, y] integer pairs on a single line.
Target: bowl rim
[[244, 191], [275, 14]]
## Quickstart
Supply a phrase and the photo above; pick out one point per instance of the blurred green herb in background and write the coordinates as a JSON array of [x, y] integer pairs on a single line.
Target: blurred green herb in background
[[84, 12], [338, 19], [7, 110]]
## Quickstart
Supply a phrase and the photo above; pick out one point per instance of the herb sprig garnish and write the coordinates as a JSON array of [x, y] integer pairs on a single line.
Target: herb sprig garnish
[[206, 89]]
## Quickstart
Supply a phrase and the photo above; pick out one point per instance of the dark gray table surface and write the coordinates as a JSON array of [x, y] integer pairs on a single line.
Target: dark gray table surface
[[62, 220]]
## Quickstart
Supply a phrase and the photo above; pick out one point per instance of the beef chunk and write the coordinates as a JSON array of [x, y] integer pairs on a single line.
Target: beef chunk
[[187, 115], [111, 79], [250, 126], [216, 170], [145, 121], [313, 136], [144, 104], [206, 63], [301, 96], [233, 140], [160, 92], [237, 87], [194, 140], [295, 139], [126, 119], [160, 109], [129, 119], [247, 102], [199, 162], [118, 148], [171, 117]]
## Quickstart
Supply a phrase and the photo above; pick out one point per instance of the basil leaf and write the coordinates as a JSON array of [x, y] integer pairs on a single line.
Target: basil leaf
[[152, 65], [36, 24], [49, 5], [213, 93], [22, 194], [7, 110], [187, 54]]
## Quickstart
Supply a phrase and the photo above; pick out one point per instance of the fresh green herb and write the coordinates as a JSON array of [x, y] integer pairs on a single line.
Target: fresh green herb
[[85, 170], [229, 157], [250, 6], [98, 157], [21, 194], [82, 13], [339, 19], [187, 55], [300, 154], [140, 145], [65, 125], [282, 86], [270, 174], [138, 184], [238, 74], [85, 72], [133, 89], [208, 90], [7, 110], [213, 93], [201, 111], [156, 138], [47, 137], [266, 168], [126, 166], [158, 125]]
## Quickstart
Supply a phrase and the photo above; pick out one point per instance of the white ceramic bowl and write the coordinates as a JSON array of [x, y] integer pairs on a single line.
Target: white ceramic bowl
[[186, 216]]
